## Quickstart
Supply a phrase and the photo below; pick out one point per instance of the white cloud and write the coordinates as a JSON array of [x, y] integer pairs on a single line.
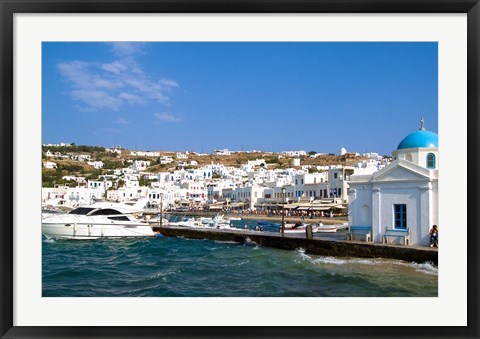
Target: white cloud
[[97, 99], [168, 83], [85, 109], [114, 84], [123, 49], [110, 130], [115, 67], [122, 121], [131, 98], [169, 117]]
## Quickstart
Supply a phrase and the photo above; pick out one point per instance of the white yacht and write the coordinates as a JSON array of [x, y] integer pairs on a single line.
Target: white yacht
[[99, 220]]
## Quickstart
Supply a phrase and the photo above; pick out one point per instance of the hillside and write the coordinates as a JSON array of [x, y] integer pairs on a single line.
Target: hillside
[[62, 157]]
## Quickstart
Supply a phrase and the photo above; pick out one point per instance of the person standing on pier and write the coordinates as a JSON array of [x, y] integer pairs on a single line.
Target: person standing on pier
[[434, 236]]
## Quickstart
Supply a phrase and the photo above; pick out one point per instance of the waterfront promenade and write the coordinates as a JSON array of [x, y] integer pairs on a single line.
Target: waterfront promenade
[[264, 217]]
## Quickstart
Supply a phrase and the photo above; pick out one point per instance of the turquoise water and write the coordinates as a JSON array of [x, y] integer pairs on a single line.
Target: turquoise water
[[177, 267]]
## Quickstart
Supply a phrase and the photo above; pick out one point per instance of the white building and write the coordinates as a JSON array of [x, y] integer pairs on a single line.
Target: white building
[[140, 165], [256, 162], [222, 152], [181, 156], [127, 193], [403, 194], [70, 196], [81, 157], [98, 184], [79, 180], [164, 160], [165, 197], [49, 164], [96, 164], [145, 154], [248, 194], [295, 153], [114, 149]]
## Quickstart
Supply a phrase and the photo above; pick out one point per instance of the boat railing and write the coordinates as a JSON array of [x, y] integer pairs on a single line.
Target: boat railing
[[74, 224]]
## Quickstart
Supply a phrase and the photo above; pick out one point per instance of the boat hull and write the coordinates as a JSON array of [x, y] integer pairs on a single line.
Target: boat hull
[[326, 230], [94, 231]]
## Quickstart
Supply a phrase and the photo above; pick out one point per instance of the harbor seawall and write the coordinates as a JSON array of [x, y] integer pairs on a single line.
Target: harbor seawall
[[317, 245]]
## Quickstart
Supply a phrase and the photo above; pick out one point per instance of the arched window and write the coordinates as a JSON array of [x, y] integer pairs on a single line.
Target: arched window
[[430, 160]]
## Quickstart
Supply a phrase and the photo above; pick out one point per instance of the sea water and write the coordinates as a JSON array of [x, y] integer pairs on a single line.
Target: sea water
[[179, 267]]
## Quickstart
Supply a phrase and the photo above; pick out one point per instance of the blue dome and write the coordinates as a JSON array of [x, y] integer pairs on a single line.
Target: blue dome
[[417, 139]]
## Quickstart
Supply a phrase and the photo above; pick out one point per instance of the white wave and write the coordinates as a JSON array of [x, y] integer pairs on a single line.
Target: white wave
[[427, 268], [49, 241], [301, 251], [159, 275], [250, 241], [240, 263], [225, 242]]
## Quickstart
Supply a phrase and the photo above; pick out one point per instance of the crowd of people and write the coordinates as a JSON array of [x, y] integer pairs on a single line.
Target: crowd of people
[[306, 214]]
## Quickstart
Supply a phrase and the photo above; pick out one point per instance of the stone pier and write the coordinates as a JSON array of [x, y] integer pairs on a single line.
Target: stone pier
[[318, 245]]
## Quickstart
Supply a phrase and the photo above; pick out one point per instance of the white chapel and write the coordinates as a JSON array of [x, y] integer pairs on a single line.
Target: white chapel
[[403, 194]]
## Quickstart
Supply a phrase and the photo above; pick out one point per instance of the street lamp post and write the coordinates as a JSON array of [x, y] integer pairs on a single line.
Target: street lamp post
[[311, 206], [283, 210], [161, 209]]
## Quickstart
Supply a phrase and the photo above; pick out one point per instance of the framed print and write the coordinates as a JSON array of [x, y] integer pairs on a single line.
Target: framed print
[[266, 169]]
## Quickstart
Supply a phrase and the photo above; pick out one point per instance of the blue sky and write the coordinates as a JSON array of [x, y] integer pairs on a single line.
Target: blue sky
[[198, 96]]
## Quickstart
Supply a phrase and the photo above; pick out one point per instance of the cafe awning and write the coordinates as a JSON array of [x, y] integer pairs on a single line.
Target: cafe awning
[[314, 208]]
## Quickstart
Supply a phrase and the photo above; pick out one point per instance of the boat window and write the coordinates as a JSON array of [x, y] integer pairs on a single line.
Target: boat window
[[81, 210], [121, 218], [105, 211]]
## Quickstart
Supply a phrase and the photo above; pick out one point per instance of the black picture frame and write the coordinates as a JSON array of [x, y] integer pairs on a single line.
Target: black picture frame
[[10, 7]]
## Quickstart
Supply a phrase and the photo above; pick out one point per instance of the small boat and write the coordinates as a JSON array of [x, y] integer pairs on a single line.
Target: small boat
[[298, 228], [188, 222], [221, 223], [268, 223], [320, 228], [155, 220], [99, 220], [204, 222]]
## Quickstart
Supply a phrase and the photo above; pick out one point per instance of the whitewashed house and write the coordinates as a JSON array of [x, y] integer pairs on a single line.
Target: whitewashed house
[[127, 193], [96, 164], [114, 149], [98, 184], [49, 164], [403, 194], [140, 165], [295, 153], [222, 152], [181, 156], [82, 157], [164, 160]]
